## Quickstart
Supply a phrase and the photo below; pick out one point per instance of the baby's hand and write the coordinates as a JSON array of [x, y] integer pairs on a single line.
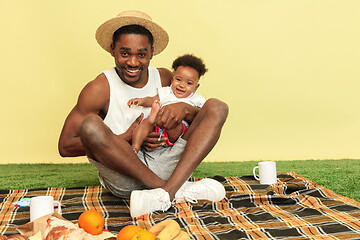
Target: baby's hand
[[135, 101]]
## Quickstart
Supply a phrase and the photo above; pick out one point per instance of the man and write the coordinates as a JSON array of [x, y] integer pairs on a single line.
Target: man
[[101, 124]]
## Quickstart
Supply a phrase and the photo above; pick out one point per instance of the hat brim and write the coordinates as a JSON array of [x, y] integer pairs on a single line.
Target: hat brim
[[104, 34]]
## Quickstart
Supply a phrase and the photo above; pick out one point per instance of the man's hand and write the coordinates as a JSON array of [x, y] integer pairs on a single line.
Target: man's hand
[[152, 141], [129, 133], [171, 115]]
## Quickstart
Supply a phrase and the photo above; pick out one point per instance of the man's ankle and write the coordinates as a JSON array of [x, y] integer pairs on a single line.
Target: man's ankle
[[170, 192]]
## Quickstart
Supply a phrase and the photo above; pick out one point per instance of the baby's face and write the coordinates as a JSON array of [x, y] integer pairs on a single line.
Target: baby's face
[[185, 81]]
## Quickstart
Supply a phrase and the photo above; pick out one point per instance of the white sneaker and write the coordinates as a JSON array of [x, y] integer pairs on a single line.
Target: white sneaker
[[148, 201], [205, 189], [179, 195]]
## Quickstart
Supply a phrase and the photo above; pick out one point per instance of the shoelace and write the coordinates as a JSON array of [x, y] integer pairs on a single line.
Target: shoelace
[[191, 195], [165, 206], [145, 154], [165, 203]]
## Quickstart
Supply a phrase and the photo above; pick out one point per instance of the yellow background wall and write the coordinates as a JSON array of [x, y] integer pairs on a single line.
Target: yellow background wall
[[289, 71]]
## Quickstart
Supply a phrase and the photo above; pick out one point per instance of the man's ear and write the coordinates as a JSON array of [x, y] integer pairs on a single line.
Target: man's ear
[[151, 52], [112, 49]]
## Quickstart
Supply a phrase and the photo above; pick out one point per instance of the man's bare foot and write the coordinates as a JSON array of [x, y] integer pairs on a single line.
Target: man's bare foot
[[155, 108]]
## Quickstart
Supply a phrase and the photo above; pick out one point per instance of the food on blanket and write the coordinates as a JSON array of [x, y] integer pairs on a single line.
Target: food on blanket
[[16, 237], [144, 235], [166, 230], [127, 232], [58, 229], [92, 222], [182, 236], [3, 237], [133, 232]]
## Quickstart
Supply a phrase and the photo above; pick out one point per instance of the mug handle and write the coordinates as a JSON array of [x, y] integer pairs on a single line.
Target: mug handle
[[59, 207], [255, 173]]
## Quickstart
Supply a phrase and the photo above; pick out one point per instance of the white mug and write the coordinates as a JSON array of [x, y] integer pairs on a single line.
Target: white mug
[[41, 206], [267, 172]]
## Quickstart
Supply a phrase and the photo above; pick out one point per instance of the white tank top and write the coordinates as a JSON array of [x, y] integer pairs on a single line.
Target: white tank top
[[119, 116]]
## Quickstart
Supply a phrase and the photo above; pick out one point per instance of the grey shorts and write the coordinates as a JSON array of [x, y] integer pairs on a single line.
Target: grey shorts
[[161, 161]]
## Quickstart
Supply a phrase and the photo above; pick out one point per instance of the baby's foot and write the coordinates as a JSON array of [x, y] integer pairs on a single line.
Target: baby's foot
[[155, 108]]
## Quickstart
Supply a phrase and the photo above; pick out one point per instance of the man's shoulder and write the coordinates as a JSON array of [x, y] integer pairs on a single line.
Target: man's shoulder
[[100, 81], [94, 97], [97, 86], [165, 72], [165, 76]]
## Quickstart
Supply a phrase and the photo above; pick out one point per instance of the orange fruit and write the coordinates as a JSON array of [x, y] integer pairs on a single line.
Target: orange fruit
[[92, 222], [127, 232], [144, 235]]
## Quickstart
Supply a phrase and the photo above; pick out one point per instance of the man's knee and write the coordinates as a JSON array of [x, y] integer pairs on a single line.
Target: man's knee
[[216, 109], [91, 130]]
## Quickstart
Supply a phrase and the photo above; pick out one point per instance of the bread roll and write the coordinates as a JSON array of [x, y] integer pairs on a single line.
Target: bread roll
[[17, 237]]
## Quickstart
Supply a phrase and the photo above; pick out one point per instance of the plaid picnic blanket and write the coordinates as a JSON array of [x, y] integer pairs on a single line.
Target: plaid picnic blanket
[[293, 208]]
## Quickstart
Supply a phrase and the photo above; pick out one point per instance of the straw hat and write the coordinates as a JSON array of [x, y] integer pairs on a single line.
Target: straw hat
[[104, 33]]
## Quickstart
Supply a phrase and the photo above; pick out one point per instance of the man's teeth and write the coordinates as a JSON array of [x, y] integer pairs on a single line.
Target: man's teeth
[[133, 71]]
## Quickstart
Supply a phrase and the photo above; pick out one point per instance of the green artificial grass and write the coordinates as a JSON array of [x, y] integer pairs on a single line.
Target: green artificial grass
[[340, 176]]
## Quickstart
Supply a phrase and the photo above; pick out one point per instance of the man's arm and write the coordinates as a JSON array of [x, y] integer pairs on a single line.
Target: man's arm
[[93, 99]]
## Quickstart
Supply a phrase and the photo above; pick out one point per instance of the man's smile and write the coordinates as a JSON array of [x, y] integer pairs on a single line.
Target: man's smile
[[132, 72]]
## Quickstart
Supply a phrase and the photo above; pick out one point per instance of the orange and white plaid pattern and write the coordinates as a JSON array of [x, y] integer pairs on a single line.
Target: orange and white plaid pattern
[[294, 208]]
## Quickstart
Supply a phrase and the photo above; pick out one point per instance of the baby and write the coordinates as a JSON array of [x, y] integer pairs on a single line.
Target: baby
[[187, 71]]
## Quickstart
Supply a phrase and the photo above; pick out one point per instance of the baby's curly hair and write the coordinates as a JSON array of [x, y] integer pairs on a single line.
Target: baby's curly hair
[[189, 60]]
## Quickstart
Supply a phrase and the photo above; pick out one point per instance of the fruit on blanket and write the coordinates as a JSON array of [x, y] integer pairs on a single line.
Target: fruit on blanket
[[127, 232], [144, 235], [166, 230], [92, 222]]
